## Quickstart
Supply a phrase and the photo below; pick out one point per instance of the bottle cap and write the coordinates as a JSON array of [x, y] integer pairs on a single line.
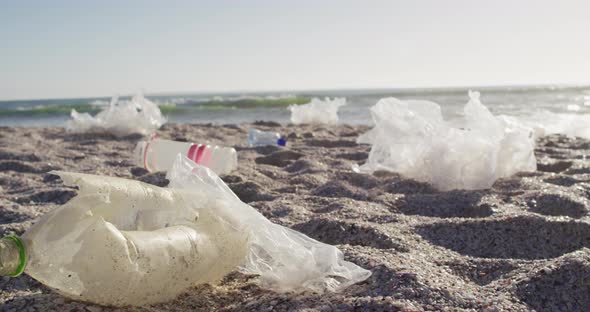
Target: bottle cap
[[281, 142], [22, 255]]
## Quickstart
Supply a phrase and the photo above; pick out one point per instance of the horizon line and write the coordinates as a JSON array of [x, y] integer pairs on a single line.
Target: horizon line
[[302, 90]]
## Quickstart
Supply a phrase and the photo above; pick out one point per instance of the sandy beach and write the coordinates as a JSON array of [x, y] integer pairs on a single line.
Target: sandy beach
[[522, 245]]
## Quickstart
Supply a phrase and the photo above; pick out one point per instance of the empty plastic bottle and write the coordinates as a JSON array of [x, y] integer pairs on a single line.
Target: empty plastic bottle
[[262, 138], [123, 242], [159, 155]]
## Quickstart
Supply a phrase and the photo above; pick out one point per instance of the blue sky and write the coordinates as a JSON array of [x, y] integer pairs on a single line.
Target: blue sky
[[64, 48]]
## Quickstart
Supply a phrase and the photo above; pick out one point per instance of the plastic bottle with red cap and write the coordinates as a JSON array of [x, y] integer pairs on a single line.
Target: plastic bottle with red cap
[[159, 155]]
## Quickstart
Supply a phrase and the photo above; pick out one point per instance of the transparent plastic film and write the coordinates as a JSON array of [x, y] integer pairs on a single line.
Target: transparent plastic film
[[412, 138], [317, 111], [138, 115], [572, 124], [122, 242], [284, 260]]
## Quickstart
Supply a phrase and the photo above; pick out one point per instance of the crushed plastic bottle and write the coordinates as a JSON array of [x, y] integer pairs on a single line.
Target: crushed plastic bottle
[[159, 155], [412, 138], [262, 138], [317, 111], [120, 118], [123, 242]]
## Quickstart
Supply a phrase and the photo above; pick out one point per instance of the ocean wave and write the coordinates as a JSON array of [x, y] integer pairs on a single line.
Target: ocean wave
[[167, 106], [247, 101], [100, 103], [48, 110]]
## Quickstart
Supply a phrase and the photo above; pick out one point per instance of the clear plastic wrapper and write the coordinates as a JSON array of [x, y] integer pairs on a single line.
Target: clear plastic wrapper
[[284, 259], [139, 115], [317, 111], [412, 138]]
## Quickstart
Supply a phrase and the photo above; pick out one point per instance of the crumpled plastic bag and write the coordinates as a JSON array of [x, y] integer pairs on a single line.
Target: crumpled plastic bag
[[570, 124], [139, 115], [412, 138], [317, 111], [284, 259]]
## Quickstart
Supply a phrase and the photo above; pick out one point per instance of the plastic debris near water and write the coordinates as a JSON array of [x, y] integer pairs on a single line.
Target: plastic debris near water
[[570, 124], [123, 242], [139, 115], [317, 111], [412, 138]]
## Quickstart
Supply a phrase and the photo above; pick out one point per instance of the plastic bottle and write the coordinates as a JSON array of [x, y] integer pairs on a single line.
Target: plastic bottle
[[159, 155], [262, 138], [123, 242]]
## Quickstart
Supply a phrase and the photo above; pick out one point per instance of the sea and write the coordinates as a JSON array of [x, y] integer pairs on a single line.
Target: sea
[[232, 108]]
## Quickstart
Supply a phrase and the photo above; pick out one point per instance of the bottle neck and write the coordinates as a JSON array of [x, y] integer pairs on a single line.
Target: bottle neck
[[12, 256]]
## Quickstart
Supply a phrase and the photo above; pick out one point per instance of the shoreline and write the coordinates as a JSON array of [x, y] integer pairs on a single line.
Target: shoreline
[[521, 245]]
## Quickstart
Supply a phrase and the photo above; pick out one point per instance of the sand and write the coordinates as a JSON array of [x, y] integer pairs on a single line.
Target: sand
[[522, 245]]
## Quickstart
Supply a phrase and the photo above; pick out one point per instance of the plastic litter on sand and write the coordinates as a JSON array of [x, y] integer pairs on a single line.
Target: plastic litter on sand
[[263, 138], [317, 111], [159, 155], [123, 242], [411, 138], [139, 115], [284, 259], [570, 124]]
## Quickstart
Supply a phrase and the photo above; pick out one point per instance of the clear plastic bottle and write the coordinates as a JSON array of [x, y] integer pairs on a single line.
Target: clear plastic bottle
[[262, 138], [123, 242], [159, 155]]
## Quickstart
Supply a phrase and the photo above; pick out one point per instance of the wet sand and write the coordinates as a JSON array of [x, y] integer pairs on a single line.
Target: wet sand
[[522, 245]]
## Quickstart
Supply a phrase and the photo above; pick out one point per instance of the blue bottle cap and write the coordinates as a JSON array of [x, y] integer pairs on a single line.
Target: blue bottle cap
[[281, 142]]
